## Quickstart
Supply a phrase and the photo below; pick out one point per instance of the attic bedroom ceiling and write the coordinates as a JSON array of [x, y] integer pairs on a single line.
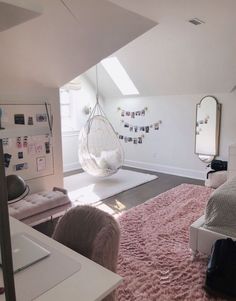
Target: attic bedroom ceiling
[[53, 48], [14, 12], [177, 57]]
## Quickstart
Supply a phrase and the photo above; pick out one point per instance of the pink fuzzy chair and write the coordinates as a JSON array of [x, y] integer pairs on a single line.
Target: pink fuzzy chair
[[92, 233]]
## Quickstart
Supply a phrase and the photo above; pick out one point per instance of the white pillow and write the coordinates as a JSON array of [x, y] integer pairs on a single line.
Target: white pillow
[[220, 211], [109, 159]]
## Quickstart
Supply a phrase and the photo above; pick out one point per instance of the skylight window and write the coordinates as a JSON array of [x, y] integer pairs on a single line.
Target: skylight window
[[119, 76]]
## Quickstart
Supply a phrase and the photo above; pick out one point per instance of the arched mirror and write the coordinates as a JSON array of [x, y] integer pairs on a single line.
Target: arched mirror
[[207, 129]]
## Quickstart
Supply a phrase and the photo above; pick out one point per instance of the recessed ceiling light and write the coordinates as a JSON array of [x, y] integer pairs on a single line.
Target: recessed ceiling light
[[119, 76], [196, 21]]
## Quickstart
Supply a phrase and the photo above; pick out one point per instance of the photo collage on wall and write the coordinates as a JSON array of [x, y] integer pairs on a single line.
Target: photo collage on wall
[[200, 123], [133, 128], [23, 149], [30, 153], [132, 114]]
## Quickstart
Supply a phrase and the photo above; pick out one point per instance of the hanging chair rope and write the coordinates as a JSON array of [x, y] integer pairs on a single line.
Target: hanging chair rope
[[97, 94], [100, 151]]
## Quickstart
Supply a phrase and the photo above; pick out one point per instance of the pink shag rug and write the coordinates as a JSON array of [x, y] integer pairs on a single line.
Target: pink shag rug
[[155, 259]]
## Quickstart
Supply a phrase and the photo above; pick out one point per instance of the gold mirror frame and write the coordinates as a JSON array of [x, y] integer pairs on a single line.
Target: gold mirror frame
[[207, 128]]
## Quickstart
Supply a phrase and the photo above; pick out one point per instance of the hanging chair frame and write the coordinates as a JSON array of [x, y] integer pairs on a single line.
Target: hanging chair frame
[[98, 111]]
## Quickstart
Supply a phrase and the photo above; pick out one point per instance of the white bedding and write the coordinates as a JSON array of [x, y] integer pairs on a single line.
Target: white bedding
[[220, 213]]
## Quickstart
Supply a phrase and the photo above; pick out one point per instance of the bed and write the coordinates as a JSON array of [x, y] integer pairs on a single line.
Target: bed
[[219, 220], [202, 239]]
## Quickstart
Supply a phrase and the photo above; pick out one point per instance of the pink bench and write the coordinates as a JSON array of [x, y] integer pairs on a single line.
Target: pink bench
[[38, 207]]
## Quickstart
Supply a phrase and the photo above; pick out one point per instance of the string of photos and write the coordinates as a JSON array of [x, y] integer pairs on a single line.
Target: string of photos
[[136, 128], [132, 114], [134, 140], [145, 128]]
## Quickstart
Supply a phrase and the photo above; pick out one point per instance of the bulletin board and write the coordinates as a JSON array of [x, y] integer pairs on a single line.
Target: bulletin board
[[29, 153]]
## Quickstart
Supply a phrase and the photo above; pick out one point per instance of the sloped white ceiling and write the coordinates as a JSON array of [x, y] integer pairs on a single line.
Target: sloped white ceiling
[[55, 47], [177, 57], [15, 12]]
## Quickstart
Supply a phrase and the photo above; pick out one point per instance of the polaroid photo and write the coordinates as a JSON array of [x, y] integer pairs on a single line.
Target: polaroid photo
[[7, 159], [21, 166], [25, 141], [5, 141], [19, 119], [30, 120], [42, 117], [41, 163], [20, 155], [47, 147], [18, 142]]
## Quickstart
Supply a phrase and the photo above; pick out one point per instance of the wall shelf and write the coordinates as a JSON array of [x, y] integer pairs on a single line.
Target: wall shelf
[[24, 130]]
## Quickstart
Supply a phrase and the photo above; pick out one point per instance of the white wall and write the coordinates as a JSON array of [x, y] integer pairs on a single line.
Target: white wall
[[33, 94], [86, 96], [171, 149]]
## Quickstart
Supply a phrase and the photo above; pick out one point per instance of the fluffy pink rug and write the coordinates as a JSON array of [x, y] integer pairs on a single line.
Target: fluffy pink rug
[[155, 260]]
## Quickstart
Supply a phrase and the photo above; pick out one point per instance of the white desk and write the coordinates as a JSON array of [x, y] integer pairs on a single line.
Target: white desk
[[91, 283]]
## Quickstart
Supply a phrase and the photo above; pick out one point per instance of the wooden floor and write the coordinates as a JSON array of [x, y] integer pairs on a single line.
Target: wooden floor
[[135, 196], [142, 193]]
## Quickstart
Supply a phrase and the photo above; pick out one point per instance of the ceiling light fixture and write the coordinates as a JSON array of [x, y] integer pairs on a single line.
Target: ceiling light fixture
[[119, 76], [196, 21]]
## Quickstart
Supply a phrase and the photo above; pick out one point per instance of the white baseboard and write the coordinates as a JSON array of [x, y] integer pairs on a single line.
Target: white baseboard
[[71, 166], [189, 173]]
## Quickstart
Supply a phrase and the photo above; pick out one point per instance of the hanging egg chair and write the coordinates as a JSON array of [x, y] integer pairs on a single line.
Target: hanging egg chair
[[100, 151]]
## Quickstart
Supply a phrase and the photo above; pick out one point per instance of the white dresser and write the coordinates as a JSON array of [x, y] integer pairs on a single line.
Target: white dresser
[[232, 161]]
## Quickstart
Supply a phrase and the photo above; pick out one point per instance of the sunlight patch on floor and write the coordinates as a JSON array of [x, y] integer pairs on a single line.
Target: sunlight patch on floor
[[119, 206], [106, 208]]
